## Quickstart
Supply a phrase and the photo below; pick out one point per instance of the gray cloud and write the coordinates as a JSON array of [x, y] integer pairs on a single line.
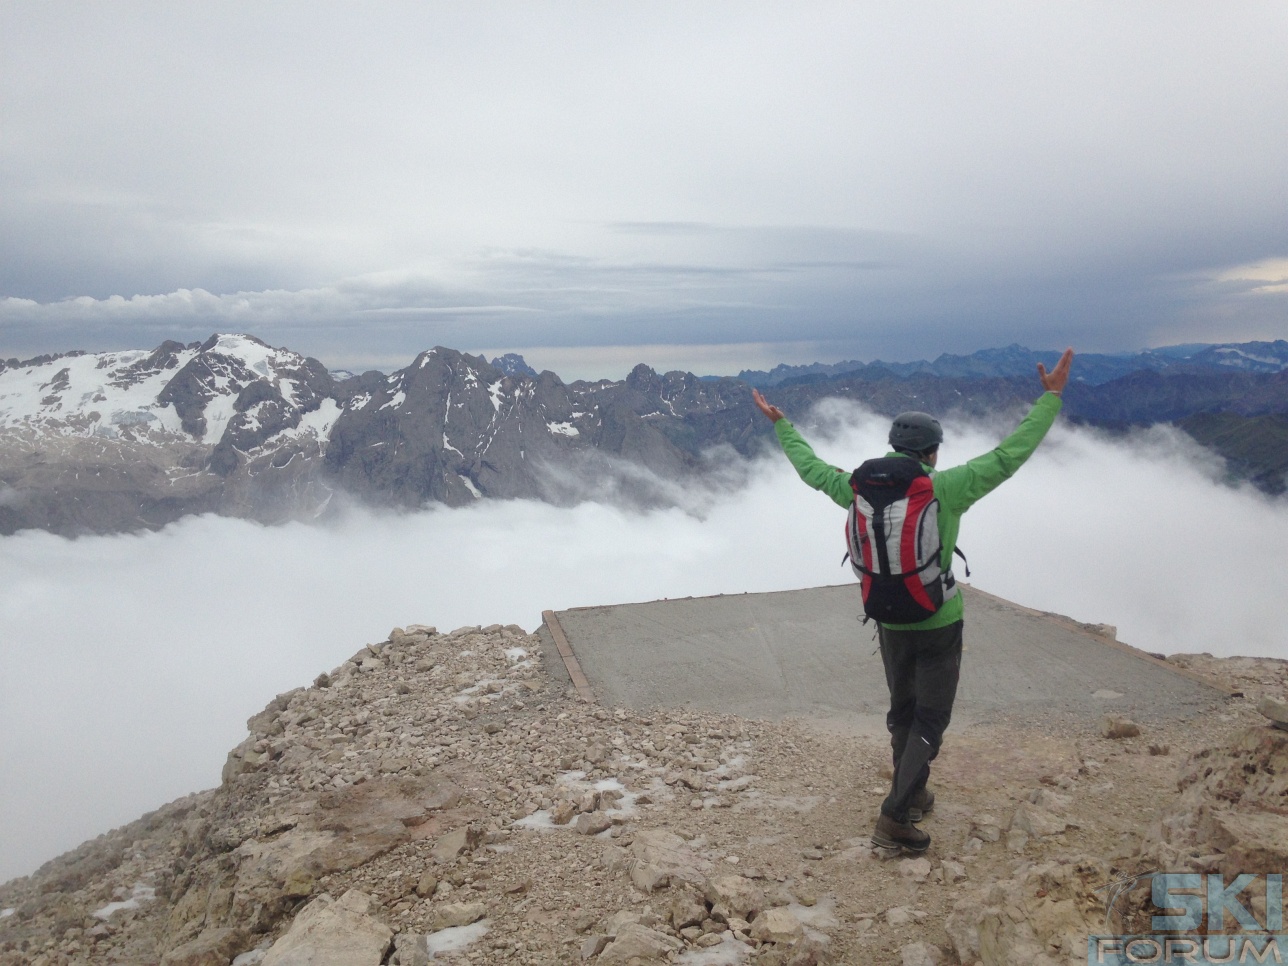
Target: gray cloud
[[888, 182]]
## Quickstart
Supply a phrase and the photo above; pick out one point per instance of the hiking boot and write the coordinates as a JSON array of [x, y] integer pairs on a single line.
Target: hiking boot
[[890, 834], [922, 802]]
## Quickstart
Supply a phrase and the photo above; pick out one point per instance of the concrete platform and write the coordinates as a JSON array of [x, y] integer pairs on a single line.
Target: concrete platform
[[804, 653]]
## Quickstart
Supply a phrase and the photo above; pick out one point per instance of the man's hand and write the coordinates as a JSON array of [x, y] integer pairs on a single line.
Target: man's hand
[[772, 413], [1057, 378]]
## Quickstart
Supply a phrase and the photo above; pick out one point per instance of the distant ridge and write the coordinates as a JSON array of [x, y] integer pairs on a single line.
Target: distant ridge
[[1016, 360]]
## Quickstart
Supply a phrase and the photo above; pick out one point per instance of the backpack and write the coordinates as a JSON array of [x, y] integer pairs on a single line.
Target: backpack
[[893, 537]]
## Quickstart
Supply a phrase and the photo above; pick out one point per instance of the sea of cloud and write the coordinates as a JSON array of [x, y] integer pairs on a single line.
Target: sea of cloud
[[130, 663]]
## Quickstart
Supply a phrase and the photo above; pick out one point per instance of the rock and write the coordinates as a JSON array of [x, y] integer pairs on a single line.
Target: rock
[[450, 914], [921, 954], [1041, 916], [777, 926], [593, 823], [455, 844], [898, 916], [1117, 726], [214, 947], [954, 872], [659, 852], [648, 877], [985, 828], [736, 893], [410, 950], [639, 942], [916, 869], [620, 920], [1038, 822], [563, 813], [1276, 711], [333, 931], [426, 884], [1157, 749], [592, 946], [687, 910], [1250, 840]]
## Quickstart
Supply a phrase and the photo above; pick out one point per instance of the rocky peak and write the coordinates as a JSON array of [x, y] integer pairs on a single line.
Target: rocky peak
[[513, 364]]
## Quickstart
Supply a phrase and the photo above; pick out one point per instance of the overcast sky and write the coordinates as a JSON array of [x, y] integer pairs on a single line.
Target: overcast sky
[[700, 185]]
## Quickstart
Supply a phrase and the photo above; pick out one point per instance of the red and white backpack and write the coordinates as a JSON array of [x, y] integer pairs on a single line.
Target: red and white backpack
[[893, 537]]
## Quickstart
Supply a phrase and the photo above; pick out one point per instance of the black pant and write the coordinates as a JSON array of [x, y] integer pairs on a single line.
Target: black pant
[[922, 668]]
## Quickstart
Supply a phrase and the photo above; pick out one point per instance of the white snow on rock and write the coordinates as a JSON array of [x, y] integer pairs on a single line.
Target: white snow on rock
[[730, 952], [494, 391], [92, 394], [138, 896], [396, 400], [455, 938], [6, 913], [469, 485], [563, 429], [319, 422]]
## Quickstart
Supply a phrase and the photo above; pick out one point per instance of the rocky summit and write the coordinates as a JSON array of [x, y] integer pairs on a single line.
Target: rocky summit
[[439, 797]]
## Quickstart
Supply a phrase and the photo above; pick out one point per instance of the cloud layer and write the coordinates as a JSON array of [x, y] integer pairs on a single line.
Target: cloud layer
[[132, 662], [880, 181]]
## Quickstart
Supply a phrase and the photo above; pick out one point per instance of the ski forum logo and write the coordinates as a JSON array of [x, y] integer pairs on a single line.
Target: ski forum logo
[[1199, 919]]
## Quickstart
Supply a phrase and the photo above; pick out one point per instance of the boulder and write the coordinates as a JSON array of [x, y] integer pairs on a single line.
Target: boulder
[[1117, 726], [1276, 711], [639, 942], [330, 932], [736, 893], [1250, 840], [777, 926], [214, 947], [451, 914], [455, 844]]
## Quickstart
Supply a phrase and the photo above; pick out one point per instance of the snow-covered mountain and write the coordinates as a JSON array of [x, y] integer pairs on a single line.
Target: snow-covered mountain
[[232, 386], [120, 440], [111, 441]]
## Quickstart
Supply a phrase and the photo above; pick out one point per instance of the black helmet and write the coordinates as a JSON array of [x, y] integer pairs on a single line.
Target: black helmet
[[916, 432]]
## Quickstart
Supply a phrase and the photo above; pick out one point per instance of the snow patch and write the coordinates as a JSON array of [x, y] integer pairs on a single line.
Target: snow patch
[[563, 429], [447, 445], [538, 820], [455, 938], [360, 401], [821, 915], [494, 391], [320, 420], [138, 896], [6, 913], [469, 485], [730, 952], [219, 412], [515, 653], [397, 399]]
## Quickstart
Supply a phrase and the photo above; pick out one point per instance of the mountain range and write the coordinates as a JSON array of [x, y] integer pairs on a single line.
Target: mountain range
[[118, 441]]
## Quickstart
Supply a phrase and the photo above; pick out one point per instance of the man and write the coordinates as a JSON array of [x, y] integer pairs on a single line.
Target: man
[[923, 660]]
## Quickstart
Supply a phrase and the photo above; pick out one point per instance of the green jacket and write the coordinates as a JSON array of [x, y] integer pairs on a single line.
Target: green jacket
[[957, 489]]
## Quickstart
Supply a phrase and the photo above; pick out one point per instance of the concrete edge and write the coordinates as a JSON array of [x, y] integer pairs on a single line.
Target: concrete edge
[[569, 658], [1116, 645]]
